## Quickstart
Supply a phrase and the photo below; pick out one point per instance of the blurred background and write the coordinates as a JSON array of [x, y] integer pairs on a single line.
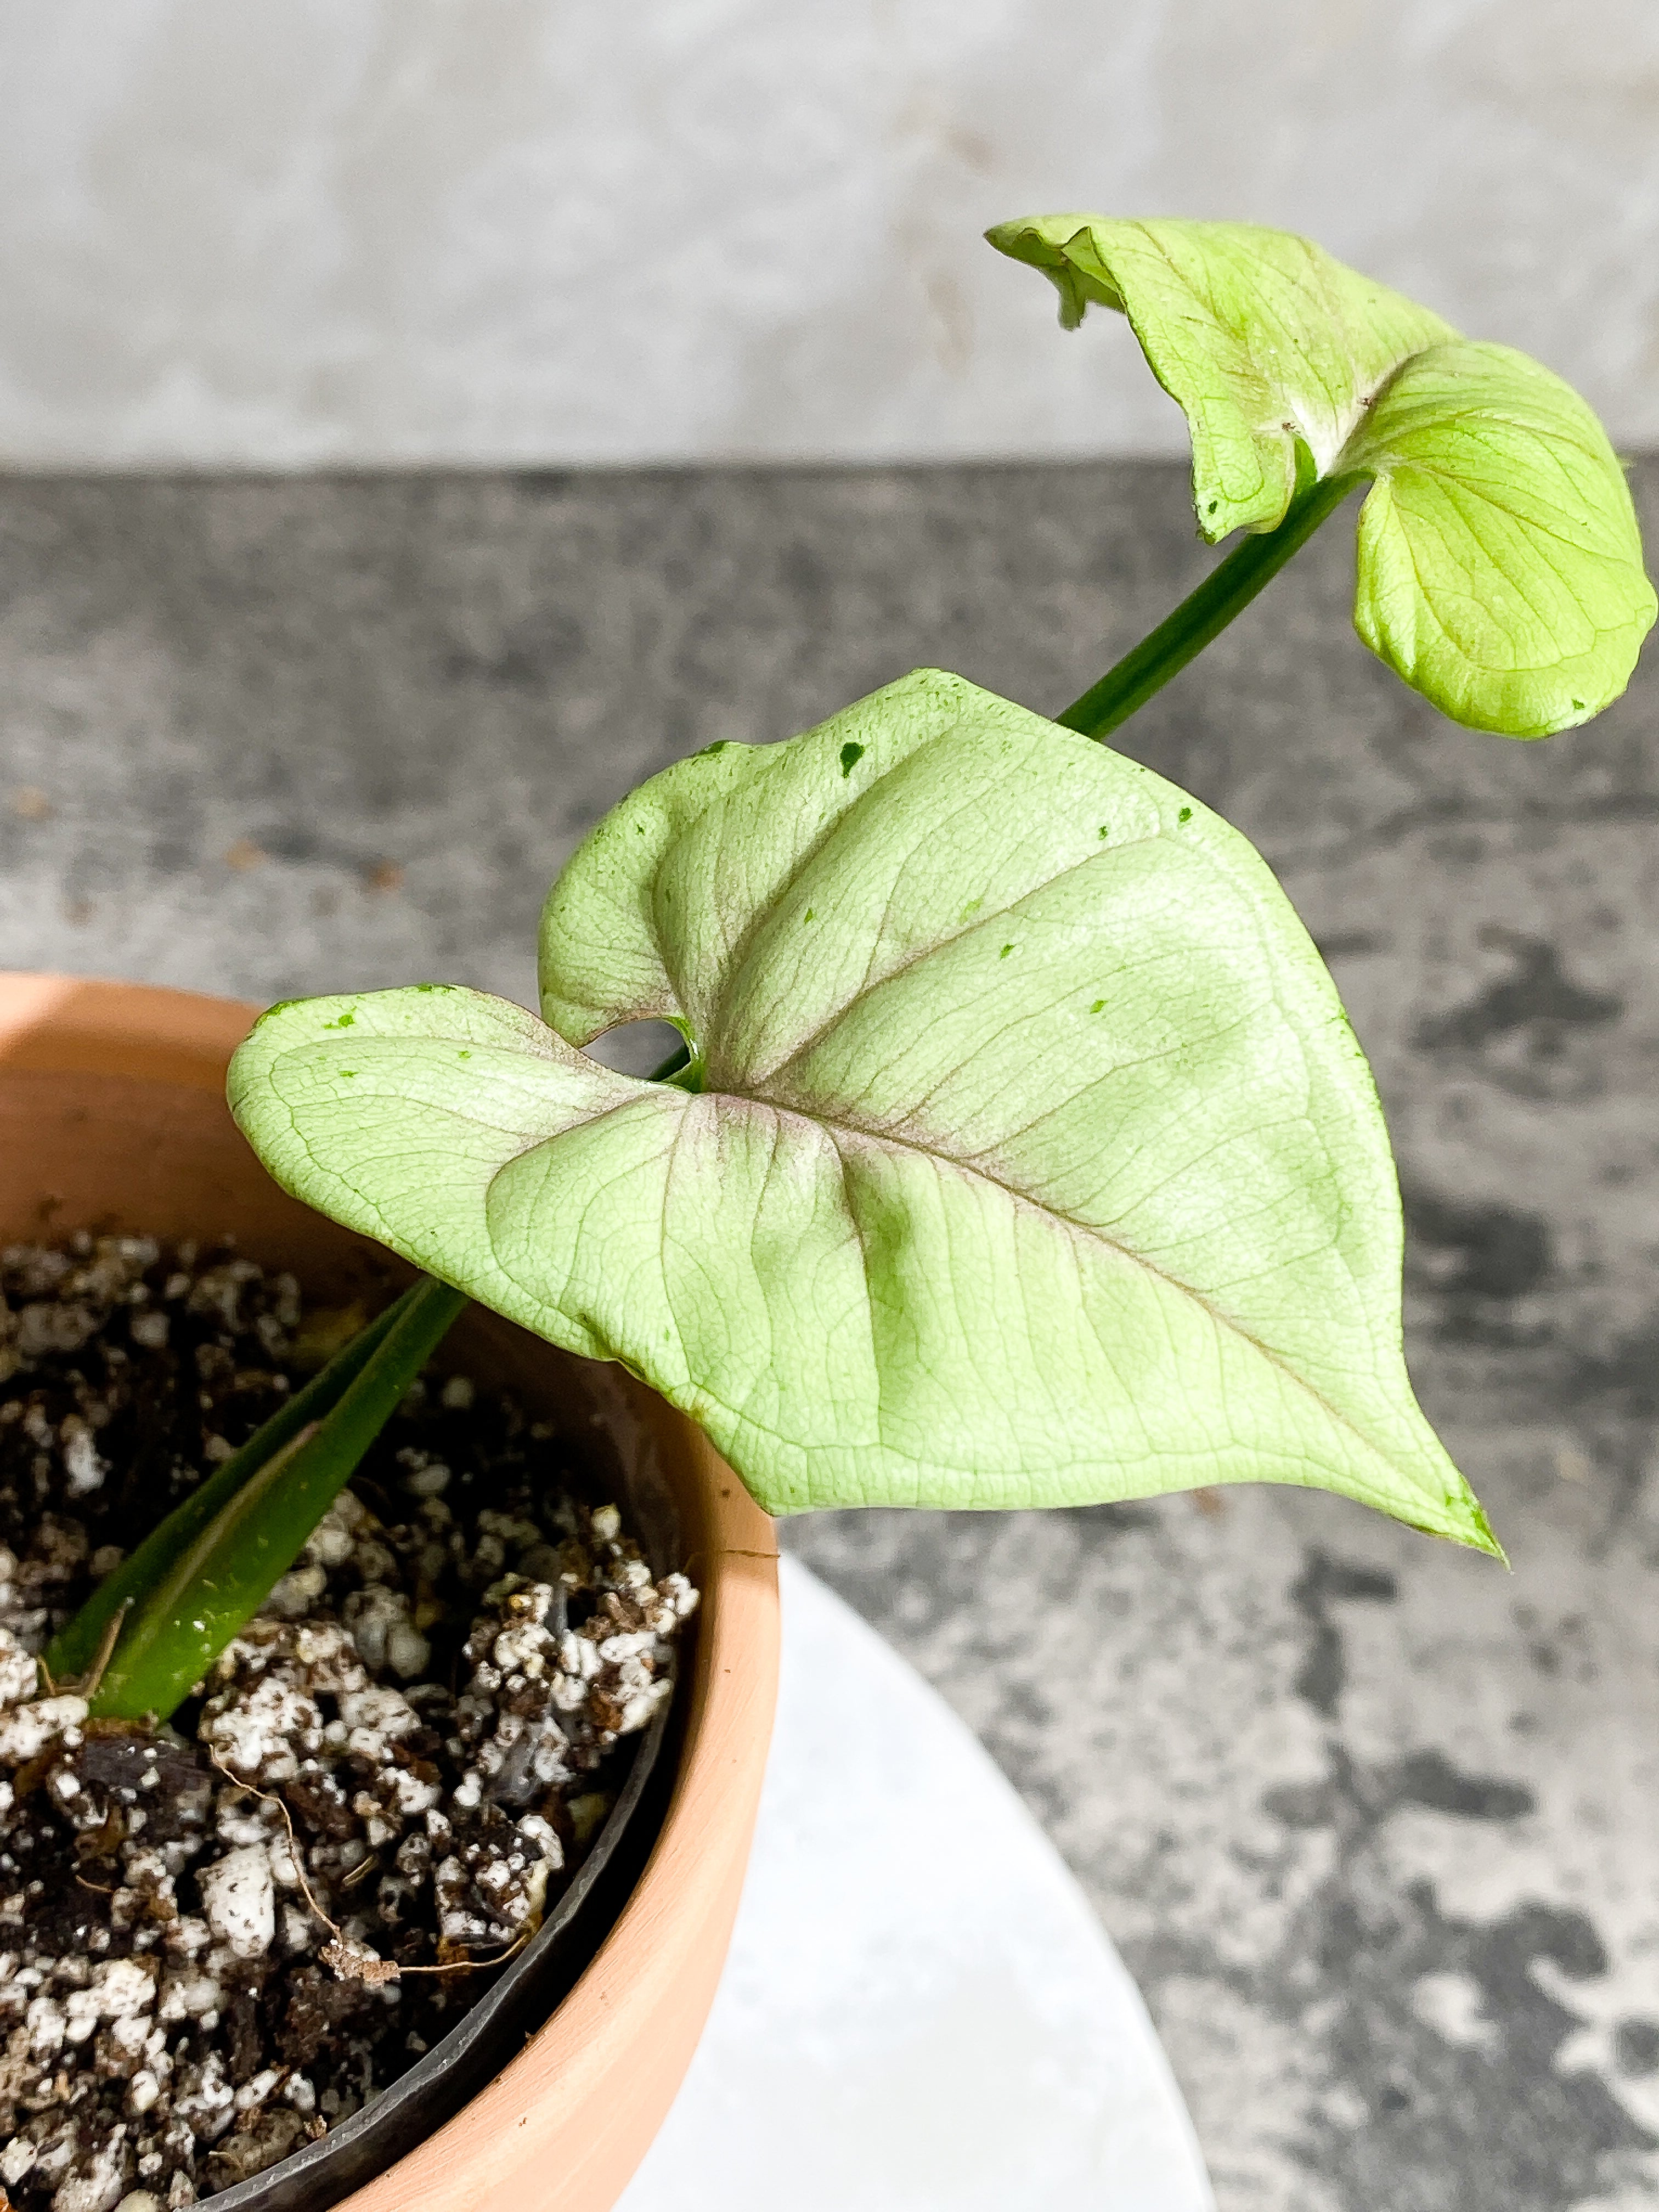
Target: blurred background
[[424, 417]]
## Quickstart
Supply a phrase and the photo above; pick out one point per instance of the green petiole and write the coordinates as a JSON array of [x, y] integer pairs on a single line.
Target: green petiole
[[213, 1562], [76, 1648], [1205, 613]]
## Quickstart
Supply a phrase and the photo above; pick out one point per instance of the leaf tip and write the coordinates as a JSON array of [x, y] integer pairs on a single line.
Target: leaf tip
[[1025, 239], [1467, 1524]]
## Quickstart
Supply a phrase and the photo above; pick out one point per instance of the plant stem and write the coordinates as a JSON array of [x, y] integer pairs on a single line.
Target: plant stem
[[1203, 615], [76, 1645], [213, 1561], [1182, 636]]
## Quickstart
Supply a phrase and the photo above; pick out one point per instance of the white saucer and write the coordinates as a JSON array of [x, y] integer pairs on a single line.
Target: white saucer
[[921, 2012]]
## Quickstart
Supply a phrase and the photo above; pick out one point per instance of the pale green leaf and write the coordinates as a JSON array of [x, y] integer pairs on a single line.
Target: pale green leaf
[[1261, 338], [1035, 1161], [1500, 567]]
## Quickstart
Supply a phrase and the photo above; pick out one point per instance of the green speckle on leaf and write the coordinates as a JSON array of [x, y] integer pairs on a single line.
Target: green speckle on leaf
[[341, 1022], [1005, 951], [851, 754], [708, 752], [1098, 1007], [463, 1054], [891, 1248], [1185, 815], [810, 916]]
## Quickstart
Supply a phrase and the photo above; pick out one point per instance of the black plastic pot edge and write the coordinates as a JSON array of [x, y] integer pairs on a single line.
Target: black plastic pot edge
[[482, 2042], [489, 2035]]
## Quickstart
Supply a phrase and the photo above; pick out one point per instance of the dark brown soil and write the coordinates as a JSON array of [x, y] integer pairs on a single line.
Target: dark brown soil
[[209, 1933]]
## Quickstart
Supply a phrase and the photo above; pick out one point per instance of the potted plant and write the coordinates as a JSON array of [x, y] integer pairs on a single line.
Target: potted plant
[[1017, 1151]]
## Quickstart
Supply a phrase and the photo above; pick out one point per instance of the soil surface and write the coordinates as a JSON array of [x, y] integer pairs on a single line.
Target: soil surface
[[220, 1938]]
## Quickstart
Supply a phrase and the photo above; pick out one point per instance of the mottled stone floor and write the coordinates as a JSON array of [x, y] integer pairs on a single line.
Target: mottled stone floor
[[1373, 1821]]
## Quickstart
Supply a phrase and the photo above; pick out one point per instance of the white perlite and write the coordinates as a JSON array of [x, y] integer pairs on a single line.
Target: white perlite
[[81, 1464], [19, 1675], [99, 2188], [27, 1730], [238, 1899]]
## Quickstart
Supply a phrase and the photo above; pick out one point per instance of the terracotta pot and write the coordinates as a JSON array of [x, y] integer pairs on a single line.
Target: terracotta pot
[[112, 1118]]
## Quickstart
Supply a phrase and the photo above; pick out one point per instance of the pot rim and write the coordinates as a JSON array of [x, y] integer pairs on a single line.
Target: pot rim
[[642, 2002]]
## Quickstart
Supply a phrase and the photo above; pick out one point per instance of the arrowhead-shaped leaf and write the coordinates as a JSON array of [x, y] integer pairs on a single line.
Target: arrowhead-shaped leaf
[[1500, 567], [1033, 1162]]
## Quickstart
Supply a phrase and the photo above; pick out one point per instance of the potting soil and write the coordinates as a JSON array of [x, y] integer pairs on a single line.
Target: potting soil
[[217, 1937]]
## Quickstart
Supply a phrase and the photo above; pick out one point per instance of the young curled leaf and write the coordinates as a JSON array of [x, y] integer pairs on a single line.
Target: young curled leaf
[[1499, 563], [1033, 1162], [1260, 338], [1500, 572]]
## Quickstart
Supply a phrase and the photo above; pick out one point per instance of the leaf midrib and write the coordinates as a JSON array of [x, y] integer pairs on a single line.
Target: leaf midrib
[[720, 1085], [867, 988], [1349, 416], [837, 1127], [736, 955]]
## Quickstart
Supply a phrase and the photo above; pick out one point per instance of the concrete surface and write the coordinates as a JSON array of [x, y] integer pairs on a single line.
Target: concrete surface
[[1372, 1821], [512, 232]]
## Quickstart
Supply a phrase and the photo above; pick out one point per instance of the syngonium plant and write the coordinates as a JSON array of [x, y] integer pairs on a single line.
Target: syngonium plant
[[1019, 1152]]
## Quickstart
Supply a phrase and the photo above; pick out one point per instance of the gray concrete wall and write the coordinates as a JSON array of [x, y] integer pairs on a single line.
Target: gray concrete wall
[[348, 232]]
